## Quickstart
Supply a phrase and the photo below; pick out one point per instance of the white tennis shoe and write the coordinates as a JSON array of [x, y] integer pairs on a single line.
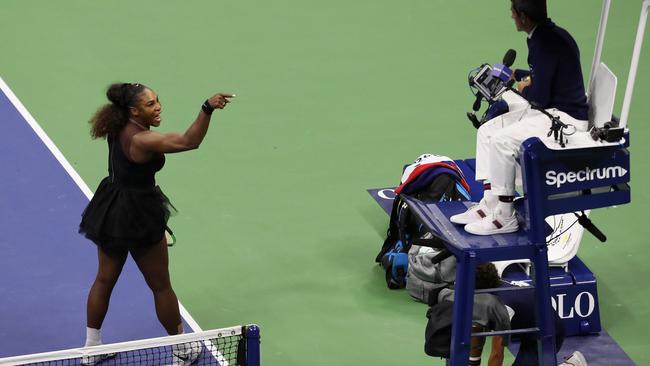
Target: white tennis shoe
[[494, 224], [473, 214], [576, 359], [186, 354]]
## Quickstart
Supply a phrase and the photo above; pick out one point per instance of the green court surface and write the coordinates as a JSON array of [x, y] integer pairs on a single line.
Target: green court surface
[[333, 97]]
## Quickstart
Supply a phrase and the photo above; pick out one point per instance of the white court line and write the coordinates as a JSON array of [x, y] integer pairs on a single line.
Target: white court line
[[73, 173]]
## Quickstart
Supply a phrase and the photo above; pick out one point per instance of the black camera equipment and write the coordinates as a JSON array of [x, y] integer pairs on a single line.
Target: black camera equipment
[[610, 132], [489, 82]]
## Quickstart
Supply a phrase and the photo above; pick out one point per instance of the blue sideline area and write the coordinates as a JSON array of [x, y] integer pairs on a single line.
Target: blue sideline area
[[598, 347], [47, 267]]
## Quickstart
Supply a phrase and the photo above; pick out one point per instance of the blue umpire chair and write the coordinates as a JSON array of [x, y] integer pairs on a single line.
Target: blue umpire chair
[[555, 182]]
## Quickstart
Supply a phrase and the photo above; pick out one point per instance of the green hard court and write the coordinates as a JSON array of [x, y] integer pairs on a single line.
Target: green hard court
[[275, 226]]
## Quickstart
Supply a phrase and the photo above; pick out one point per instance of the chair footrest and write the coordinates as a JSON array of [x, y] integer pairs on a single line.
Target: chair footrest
[[503, 289], [505, 332]]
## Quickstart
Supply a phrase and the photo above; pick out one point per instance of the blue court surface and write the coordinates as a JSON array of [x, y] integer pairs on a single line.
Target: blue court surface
[[47, 267]]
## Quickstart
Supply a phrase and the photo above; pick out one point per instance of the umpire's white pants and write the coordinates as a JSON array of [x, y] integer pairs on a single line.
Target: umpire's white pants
[[499, 139]]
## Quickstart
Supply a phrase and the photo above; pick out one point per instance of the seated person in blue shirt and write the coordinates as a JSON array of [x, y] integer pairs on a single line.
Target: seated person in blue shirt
[[554, 83]]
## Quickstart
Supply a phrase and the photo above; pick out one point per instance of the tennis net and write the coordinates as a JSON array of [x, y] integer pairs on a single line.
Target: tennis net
[[224, 347]]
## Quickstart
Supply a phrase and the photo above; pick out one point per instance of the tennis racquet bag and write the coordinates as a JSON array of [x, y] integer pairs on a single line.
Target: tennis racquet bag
[[436, 181]]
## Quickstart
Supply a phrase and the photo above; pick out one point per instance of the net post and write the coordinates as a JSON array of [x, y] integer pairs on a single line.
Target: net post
[[252, 336]]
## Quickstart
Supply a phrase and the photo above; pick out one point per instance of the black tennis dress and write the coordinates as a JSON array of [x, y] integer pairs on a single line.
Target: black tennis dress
[[128, 210]]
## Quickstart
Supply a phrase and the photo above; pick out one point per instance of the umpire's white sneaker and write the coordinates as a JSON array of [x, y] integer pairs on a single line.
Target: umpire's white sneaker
[[493, 224], [473, 214], [576, 359]]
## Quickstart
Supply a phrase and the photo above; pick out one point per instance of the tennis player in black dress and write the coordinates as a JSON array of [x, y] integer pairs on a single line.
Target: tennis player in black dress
[[129, 212]]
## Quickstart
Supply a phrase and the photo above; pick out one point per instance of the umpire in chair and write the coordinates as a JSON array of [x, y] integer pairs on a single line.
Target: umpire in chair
[[554, 83]]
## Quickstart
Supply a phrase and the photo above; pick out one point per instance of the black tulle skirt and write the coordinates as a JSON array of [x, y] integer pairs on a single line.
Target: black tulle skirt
[[126, 217]]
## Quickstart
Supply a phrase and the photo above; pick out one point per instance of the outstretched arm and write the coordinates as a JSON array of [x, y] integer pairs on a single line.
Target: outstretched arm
[[155, 142]]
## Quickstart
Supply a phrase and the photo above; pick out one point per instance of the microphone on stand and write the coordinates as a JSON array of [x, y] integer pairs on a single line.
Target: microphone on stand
[[509, 57]]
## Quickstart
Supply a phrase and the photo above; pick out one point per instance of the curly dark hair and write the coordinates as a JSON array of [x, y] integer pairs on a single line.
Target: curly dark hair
[[487, 276], [111, 117]]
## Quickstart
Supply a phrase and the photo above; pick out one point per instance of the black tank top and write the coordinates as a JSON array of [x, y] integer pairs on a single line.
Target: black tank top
[[124, 172]]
